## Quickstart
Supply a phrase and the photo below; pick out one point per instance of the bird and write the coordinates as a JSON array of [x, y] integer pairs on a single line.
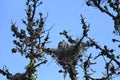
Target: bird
[[62, 45]]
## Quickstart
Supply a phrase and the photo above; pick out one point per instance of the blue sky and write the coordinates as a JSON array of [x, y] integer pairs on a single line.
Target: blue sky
[[65, 14]]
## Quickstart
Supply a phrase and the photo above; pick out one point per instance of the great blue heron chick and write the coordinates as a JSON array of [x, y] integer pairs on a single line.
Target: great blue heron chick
[[62, 45]]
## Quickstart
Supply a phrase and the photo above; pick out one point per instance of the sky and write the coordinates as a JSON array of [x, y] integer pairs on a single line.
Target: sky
[[65, 14]]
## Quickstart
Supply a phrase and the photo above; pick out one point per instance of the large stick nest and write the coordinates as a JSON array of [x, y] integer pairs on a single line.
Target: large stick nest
[[67, 54]]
